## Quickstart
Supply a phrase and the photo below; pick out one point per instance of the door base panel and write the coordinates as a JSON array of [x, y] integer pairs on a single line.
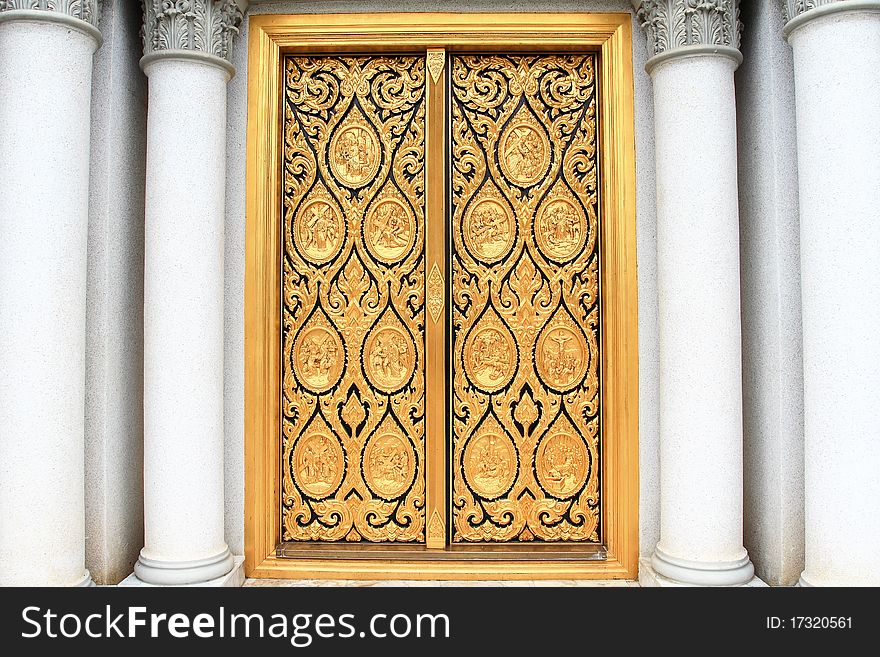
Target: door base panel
[[452, 567], [477, 552]]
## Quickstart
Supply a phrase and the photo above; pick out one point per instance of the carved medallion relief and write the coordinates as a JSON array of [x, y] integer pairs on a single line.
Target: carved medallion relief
[[355, 151], [319, 229], [525, 299], [353, 299]]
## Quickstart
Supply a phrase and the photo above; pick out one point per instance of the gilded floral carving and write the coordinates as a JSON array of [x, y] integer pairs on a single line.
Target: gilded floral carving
[[524, 299], [354, 299]]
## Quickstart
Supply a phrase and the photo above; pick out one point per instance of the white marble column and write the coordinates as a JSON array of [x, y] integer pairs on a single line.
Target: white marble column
[[186, 62], [694, 46], [836, 46], [45, 87]]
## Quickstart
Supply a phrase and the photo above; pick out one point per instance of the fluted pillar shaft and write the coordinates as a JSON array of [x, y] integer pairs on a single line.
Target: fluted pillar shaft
[[45, 92], [836, 47], [694, 47], [185, 61]]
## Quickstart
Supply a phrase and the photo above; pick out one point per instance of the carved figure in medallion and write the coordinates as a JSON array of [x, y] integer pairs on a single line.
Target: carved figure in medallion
[[560, 357], [562, 462], [355, 155], [491, 357], [318, 358], [388, 468], [319, 229], [488, 230], [389, 230], [389, 358], [318, 464], [490, 464], [524, 154], [561, 230]]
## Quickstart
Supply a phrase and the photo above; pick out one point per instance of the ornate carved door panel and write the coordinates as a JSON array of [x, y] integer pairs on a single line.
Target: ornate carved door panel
[[353, 353], [364, 442], [525, 299]]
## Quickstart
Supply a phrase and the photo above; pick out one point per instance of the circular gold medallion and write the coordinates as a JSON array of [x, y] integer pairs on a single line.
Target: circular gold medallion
[[524, 154], [389, 231], [488, 230], [561, 230], [388, 358], [319, 357], [355, 153], [318, 231], [389, 465], [561, 357], [318, 464], [562, 464], [490, 357], [490, 464]]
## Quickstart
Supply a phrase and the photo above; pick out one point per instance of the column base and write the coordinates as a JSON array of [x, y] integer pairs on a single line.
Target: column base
[[180, 573], [804, 582], [86, 581], [233, 579], [665, 571]]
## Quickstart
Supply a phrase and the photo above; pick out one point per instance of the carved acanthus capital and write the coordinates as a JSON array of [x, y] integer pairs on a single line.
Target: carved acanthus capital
[[678, 27], [798, 12], [84, 10], [197, 26], [793, 8]]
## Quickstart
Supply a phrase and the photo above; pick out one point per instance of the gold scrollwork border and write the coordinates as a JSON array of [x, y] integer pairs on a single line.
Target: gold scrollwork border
[[273, 36]]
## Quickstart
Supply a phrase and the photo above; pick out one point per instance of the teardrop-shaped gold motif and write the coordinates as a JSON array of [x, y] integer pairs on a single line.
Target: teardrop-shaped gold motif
[[561, 225], [489, 227], [389, 354], [355, 150], [352, 412], [318, 227], [490, 354], [318, 354], [388, 461], [390, 228], [318, 460], [562, 354], [489, 461], [526, 411], [562, 460], [524, 149]]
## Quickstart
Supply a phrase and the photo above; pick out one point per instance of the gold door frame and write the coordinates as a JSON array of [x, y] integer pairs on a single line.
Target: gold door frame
[[271, 37]]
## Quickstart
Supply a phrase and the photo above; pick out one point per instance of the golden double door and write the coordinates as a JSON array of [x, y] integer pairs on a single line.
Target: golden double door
[[440, 347]]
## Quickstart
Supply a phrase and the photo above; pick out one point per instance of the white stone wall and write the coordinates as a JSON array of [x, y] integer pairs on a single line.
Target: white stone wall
[[115, 292], [235, 232], [773, 427]]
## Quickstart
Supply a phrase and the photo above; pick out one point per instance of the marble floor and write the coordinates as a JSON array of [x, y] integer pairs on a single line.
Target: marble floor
[[430, 583]]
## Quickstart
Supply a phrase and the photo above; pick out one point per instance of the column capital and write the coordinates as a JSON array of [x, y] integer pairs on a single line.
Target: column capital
[[80, 14], [677, 28], [798, 12], [192, 29]]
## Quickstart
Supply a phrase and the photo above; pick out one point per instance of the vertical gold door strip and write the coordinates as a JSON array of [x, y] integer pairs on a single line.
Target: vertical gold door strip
[[435, 324]]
